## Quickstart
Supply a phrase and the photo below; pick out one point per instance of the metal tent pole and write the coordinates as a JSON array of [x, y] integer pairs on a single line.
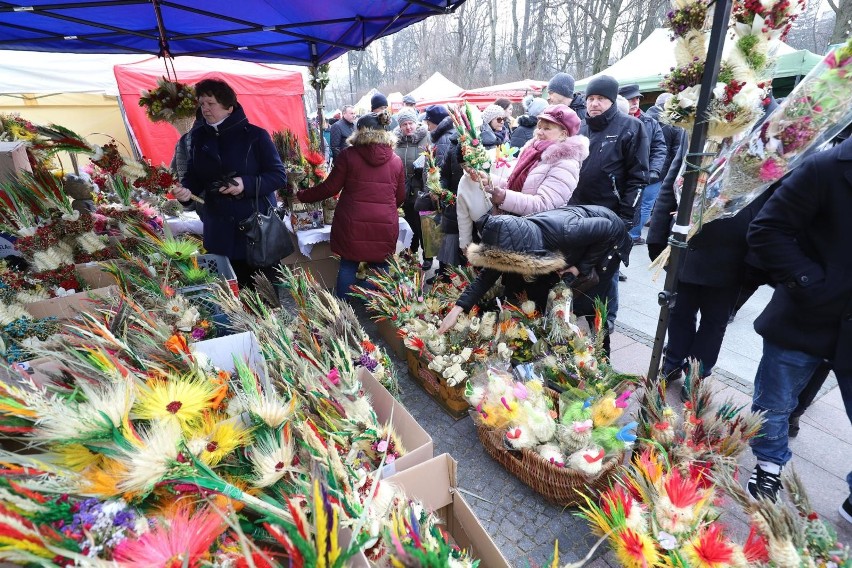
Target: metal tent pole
[[668, 297]]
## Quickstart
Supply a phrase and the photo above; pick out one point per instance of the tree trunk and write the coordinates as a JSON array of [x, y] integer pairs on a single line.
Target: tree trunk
[[602, 60], [492, 52], [842, 20]]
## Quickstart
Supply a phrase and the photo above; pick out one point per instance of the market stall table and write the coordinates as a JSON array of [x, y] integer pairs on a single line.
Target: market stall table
[[310, 237], [186, 222], [314, 251]]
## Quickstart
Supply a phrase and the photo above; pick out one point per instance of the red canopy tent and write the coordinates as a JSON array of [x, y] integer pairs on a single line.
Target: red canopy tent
[[484, 96], [270, 95]]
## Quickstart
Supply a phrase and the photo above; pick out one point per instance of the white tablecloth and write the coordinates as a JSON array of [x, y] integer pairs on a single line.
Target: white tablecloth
[[186, 222], [307, 239]]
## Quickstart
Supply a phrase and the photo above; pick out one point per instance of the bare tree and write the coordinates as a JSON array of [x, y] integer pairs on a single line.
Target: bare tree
[[842, 20]]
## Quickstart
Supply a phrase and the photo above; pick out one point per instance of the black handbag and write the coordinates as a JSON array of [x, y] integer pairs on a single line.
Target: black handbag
[[267, 237]]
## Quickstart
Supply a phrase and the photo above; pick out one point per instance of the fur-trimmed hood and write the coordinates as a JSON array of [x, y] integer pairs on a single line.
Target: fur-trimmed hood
[[573, 148], [533, 263], [374, 146], [367, 136]]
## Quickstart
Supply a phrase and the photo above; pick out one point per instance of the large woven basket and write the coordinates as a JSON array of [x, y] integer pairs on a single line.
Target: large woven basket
[[559, 485]]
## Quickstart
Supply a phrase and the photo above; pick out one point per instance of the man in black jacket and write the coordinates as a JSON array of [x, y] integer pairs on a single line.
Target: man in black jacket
[[656, 159], [799, 238], [617, 167], [581, 244], [342, 130]]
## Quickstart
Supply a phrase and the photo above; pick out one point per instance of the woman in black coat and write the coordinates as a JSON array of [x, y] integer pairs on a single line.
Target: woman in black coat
[[582, 244], [234, 167]]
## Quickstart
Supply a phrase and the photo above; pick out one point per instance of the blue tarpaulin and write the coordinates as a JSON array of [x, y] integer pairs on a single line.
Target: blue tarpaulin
[[300, 32]]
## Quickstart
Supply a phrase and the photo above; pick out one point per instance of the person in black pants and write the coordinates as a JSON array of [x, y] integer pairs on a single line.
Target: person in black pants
[[712, 272]]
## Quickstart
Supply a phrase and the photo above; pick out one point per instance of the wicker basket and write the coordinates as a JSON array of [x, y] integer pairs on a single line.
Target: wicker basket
[[183, 125], [559, 485]]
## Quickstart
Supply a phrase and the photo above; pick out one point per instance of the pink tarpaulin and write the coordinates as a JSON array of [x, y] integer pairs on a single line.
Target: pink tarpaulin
[[271, 97]]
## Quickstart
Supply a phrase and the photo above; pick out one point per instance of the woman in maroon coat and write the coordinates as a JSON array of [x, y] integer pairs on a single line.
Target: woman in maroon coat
[[371, 182]]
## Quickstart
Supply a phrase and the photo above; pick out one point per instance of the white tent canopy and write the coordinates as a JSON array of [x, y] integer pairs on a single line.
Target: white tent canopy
[[653, 59], [436, 87]]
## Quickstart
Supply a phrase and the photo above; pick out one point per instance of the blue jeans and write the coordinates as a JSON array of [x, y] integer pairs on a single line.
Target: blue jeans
[[781, 375], [649, 196], [346, 276]]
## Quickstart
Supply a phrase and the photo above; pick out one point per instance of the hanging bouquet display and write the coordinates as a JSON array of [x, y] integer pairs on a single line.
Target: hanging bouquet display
[[736, 102], [817, 109], [172, 102]]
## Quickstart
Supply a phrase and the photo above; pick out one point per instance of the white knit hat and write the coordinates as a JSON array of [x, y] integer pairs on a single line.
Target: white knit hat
[[491, 112]]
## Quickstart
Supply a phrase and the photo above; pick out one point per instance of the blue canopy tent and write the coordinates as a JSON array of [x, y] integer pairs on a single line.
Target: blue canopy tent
[[295, 32]]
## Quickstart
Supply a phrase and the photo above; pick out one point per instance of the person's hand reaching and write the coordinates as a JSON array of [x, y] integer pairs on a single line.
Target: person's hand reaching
[[450, 319]]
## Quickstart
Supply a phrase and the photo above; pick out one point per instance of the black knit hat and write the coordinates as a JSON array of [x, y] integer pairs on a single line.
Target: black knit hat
[[378, 100], [562, 84], [604, 86], [436, 113]]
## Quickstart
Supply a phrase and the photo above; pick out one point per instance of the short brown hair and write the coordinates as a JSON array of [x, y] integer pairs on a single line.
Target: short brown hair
[[219, 90]]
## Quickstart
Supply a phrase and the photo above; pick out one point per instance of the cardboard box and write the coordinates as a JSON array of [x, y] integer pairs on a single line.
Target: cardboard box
[[222, 350], [13, 159], [434, 484], [321, 264], [93, 275], [68, 307], [390, 333], [416, 441]]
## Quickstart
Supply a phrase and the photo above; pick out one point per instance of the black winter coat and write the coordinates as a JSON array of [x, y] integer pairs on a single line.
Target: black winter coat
[[587, 237], [451, 174], [715, 256], [801, 238], [441, 137], [617, 166], [523, 133], [672, 135], [657, 150], [245, 150], [578, 105], [340, 132]]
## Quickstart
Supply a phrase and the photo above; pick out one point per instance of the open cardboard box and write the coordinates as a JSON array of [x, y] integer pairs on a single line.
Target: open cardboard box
[[13, 159], [321, 264], [222, 350], [68, 307], [434, 484], [416, 441], [92, 274]]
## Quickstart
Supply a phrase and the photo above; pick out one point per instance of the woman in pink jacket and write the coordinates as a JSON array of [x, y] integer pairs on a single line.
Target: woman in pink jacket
[[548, 168]]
